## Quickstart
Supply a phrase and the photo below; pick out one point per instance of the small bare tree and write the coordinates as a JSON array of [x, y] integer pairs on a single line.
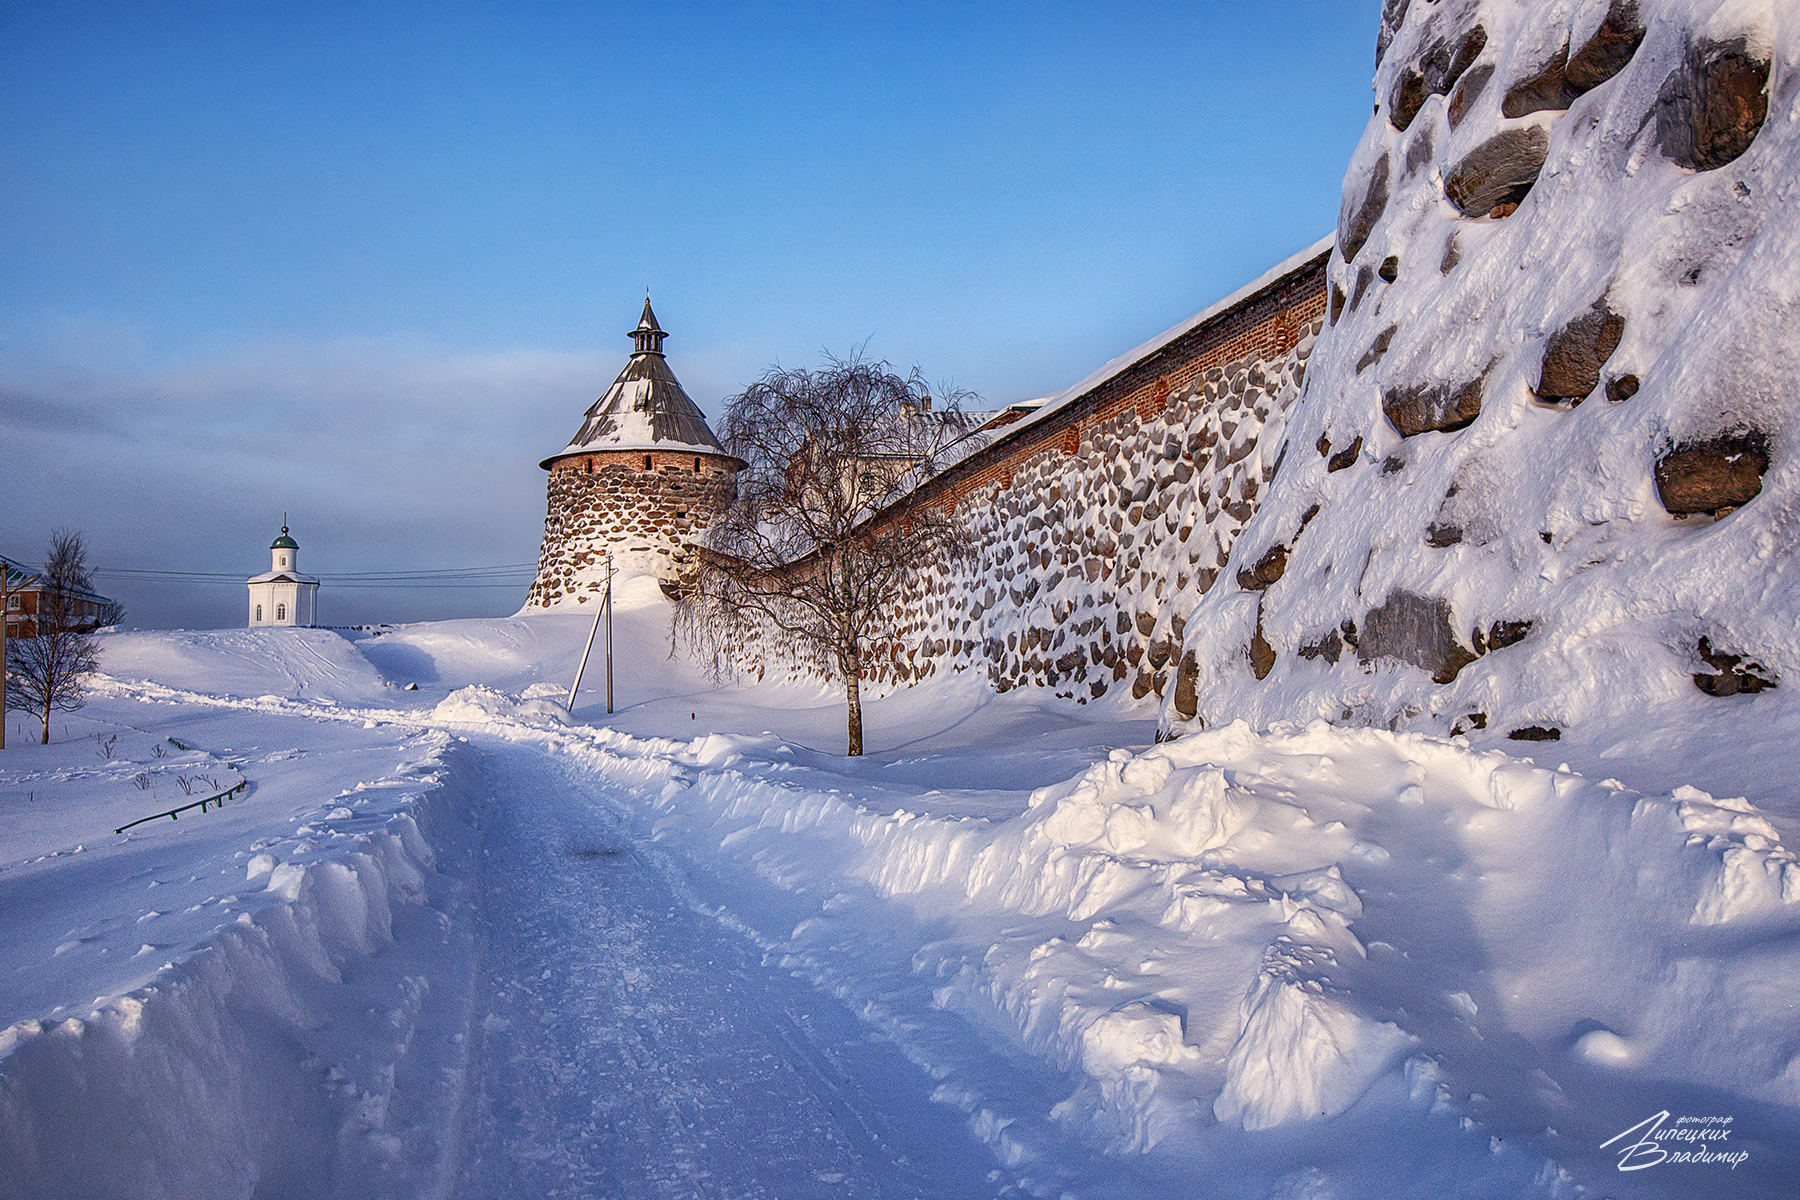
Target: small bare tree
[[797, 552], [49, 672]]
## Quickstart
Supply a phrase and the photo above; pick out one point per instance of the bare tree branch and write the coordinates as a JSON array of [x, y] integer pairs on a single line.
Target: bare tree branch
[[49, 672], [797, 552]]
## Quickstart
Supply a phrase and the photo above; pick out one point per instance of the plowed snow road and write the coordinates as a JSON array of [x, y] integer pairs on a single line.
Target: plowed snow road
[[626, 1045]]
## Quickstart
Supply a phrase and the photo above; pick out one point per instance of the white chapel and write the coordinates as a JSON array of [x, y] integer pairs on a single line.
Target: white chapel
[[282, 595]]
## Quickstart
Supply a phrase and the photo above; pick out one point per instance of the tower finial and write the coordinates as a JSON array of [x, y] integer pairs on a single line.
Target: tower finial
[[648, 337]]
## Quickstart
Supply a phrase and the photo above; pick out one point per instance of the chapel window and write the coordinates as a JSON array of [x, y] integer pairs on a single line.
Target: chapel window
[[281, 612]]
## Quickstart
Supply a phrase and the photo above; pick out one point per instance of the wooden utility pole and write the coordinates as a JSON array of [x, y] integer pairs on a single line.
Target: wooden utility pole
[[5, 571], [609, 628], [606, 613]]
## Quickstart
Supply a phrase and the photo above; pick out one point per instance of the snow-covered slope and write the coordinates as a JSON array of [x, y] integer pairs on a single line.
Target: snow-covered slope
[[1540, 481], [313, 664]]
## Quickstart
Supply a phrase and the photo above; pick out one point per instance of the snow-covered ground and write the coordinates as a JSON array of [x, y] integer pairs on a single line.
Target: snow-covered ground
[[450, 942]]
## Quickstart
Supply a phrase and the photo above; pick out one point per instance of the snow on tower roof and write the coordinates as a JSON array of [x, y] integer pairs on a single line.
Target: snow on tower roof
[[645, 408]]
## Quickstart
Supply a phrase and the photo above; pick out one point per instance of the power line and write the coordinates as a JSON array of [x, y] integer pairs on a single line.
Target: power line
[[522, 581], [507, 574]]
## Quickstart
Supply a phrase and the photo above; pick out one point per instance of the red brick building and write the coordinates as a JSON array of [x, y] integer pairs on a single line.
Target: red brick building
[[28, 596]]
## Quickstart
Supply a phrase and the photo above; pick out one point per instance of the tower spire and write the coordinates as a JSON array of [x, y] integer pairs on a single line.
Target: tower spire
[[648, 337]]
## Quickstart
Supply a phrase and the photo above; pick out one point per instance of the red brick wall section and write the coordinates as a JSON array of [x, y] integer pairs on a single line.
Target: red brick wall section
[[1097, 529], [610, 500]]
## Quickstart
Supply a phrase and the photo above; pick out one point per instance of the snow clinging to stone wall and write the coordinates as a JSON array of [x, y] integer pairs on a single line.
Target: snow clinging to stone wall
[[1539, 480]]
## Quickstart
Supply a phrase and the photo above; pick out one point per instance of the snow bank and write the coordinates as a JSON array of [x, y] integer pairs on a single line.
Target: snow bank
[[479, 706], [220, 1077], [1243, 931]]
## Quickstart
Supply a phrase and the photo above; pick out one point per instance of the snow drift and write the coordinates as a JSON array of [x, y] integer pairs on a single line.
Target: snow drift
[[1235, 931], [222, 1076]]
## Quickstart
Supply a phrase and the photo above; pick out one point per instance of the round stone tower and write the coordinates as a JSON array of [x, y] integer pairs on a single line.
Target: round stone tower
[[642, 475]]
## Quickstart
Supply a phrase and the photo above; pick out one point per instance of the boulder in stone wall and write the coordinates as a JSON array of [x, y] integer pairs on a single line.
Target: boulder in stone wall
[[1500, 635], [1346, 457], [1414, 629], [1262, 655], [1435, 73], [1160, 653], [1731, 673], [1355, 227], [1267, 571], [1575, 354], [1709, 476], [1546, 88], [1441, 534], [1468, 92], [1393, 13], [1330, 648], [1187, 688], [1424, 407], [1495, 177], [1376, 349], [1710, 107], [1605, 53]]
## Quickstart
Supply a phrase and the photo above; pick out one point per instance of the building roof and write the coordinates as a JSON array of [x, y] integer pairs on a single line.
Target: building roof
[[18, 575], [645, 408], [21, 578], [284, 542], [283, 577]]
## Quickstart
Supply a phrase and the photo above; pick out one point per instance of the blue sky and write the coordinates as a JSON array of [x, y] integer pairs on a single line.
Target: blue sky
[[368, 263]]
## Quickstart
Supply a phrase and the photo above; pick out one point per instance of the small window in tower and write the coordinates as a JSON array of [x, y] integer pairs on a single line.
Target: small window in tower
[[259, 612], [284, 560], [281, 612], [646, 462], [696, 466], [590, 466]]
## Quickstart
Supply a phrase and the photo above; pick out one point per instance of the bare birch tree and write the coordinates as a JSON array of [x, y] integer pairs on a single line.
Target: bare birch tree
[[49, 672], [796, 553]]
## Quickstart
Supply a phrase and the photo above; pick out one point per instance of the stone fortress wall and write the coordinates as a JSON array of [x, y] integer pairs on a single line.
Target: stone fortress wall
[[1551, 497], [645, 504], [1098, 522], [1532, 478]]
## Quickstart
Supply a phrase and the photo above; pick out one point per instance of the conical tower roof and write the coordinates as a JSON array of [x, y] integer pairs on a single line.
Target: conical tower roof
[[645, 408]]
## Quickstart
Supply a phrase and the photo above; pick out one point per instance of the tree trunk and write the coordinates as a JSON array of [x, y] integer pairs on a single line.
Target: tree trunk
[[853, 694], [45, 740]]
